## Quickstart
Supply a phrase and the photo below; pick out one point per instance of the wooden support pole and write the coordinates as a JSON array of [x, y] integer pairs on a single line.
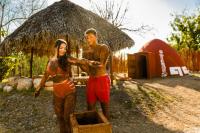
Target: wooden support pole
[[31, 64], [111, 68], [69, 53], [77, 49]]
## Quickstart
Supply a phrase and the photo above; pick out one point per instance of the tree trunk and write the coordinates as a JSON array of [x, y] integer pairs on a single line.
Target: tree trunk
[[1, 22]]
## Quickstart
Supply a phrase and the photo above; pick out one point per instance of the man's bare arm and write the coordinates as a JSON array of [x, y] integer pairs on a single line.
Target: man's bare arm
[[104, 54]]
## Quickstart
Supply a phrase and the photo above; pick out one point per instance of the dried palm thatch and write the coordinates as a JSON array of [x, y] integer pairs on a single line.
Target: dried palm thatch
[[66, 20]]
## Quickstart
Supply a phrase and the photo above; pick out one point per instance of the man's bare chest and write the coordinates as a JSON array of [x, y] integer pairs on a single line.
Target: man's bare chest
[[95, 54]]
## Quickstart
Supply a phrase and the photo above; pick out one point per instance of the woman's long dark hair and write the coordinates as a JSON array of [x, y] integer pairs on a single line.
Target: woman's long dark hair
[[62, 60]]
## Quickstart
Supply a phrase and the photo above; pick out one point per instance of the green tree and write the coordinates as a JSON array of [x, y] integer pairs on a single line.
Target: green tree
[[186, 31]]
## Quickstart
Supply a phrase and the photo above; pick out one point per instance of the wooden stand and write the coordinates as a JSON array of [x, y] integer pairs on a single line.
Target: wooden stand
[[89, 122]]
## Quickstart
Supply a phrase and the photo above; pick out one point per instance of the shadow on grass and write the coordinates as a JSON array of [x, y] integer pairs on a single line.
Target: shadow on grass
[[188, 81], [132, 106], [129, 108]]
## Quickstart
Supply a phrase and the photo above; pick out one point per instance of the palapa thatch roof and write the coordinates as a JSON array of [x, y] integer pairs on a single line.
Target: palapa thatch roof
[[62, 19]]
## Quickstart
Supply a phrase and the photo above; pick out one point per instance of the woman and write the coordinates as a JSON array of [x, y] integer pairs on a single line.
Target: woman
[[64, 96]]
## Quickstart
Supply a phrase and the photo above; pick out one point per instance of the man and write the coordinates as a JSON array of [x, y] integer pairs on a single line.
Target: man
[[98, 86]]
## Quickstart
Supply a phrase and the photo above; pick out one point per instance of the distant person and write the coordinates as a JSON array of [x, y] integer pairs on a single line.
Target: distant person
[[64, 91]]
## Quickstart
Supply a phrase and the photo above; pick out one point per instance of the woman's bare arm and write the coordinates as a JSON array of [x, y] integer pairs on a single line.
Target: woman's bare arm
[[42, 82], [104, 55], [81, 62]]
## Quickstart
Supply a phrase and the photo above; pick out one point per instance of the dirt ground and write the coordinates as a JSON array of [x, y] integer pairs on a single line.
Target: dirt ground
[[170, 105]]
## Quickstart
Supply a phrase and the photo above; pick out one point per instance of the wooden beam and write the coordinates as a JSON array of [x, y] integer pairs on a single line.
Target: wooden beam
[[77, 49]]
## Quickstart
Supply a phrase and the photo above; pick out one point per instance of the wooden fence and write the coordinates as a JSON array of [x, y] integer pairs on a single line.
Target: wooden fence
[[191, 59], [120, 64]]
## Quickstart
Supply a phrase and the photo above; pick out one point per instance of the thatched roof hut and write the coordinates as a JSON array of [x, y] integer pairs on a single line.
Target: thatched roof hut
[[62, 19]]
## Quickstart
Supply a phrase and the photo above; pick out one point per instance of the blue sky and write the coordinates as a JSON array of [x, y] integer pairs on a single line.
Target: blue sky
[[155, 13]]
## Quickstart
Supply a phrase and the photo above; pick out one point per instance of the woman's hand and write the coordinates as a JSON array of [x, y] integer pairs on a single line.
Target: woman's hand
[[37, 91]]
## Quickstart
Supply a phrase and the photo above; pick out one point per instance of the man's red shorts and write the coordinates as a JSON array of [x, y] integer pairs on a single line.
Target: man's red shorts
[[98, 88]]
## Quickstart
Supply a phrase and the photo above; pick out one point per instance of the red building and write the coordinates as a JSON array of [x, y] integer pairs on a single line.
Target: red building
[[155, 59]]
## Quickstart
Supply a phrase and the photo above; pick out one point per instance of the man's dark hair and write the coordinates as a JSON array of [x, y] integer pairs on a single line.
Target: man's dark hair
[[92, 31]]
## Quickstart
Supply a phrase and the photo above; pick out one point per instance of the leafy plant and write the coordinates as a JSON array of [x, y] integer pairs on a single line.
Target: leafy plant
[[9, 64], [186, 31]]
